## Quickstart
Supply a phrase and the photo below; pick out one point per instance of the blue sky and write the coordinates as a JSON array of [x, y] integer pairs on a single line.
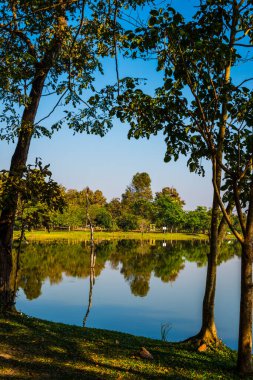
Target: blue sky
[[109, 163]]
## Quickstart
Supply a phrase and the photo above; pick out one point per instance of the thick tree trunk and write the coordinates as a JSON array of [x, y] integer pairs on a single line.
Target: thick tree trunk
[[208, 332], [244, 360], [19, 158], [6, 295], [9, 288]]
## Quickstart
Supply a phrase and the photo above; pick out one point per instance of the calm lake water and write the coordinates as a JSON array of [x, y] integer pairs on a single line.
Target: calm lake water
[[134, 287]]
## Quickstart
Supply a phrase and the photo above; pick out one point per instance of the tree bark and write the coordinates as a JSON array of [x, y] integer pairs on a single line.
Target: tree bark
[[6, 295], [244, 360], [19, 158], [208, 332], [17, 167]]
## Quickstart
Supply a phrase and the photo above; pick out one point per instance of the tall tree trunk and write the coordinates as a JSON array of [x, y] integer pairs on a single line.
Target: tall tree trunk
[[17, 167], [19, 157], [244, 360], [5, 274], [208, 332]]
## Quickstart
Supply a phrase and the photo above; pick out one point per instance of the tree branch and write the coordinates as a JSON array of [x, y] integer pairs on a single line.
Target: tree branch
[[243, 45], [53, 109], [238, 207], [223, 222], [27, 41], [221, 204], [245, 81]]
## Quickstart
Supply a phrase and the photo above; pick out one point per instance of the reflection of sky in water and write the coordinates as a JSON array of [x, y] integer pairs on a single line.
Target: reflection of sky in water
[[115, 308]]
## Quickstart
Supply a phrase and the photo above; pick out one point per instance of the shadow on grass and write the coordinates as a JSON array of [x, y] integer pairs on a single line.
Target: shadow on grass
[[32, 348]]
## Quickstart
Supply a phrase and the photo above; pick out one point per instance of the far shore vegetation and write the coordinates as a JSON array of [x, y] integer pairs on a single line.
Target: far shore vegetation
[[160, 215]]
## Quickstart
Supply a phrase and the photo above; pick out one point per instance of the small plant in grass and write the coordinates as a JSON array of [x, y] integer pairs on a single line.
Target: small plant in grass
[[165, 329]]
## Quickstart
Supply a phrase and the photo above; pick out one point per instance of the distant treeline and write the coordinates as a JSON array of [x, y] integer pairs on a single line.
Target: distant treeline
[[138, 209]]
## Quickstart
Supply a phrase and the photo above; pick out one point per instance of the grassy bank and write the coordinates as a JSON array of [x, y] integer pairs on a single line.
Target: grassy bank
[[85, 235], [36, 349]]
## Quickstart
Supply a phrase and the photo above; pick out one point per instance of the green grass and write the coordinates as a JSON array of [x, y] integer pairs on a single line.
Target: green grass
[[85, 235], [34, 349]]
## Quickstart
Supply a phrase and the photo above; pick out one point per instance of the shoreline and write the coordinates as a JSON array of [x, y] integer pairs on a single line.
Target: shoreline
[[85, 235]]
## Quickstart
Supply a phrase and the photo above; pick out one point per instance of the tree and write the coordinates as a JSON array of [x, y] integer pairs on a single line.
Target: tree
[[49, 47], [215, 117], [198, 220], [168, 210], [103, 218], [139, 189], [114, 207], [95, 197], [136, 200], [172, 194], [127, 222], [197, 107], [74, 214], [39, 196]]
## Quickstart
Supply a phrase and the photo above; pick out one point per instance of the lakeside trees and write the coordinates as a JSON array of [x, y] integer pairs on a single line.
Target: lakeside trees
[[205, 112], [49, 49], [136, 210], [214, 120]]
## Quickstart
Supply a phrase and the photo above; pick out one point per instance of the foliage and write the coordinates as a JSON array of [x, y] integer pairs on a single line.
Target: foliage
[[136, 210], [198, 220], [39, 196], [139, 190], [64, 42], [168, 211], [127, 222], [104, 219]]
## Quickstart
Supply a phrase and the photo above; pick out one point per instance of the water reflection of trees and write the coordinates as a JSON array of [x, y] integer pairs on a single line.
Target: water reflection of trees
[[137, 261], [92, 281]]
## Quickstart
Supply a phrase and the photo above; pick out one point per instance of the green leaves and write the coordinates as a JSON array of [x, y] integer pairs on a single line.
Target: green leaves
[[39, 195]]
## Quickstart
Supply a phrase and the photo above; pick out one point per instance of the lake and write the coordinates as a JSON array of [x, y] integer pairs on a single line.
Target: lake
[[130, 286]]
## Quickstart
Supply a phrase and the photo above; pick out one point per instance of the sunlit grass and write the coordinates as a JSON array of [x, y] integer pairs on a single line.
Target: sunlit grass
[[99, 235], [36, 349]]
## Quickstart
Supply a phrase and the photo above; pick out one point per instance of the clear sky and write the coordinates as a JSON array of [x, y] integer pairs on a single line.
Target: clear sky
[[109, 163]]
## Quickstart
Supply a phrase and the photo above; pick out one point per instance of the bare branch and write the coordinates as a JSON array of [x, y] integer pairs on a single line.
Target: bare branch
[[245, 81], [53, 109], [243, 45], [223, 222]]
